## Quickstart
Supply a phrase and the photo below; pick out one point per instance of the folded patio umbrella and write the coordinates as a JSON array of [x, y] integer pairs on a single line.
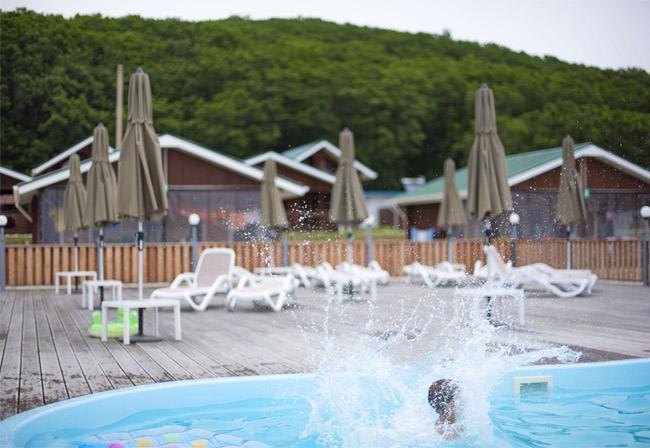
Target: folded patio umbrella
[[348, 204], [141, 192], [273, 214], [571, 208], [101, 194], [451, 211], [488, 192], [74, 200]]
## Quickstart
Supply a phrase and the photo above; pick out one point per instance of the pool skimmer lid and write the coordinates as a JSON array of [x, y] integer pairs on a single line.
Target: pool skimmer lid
[[532, 385]]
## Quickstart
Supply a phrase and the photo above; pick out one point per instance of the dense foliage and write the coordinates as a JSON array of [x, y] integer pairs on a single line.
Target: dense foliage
[[241, 86]]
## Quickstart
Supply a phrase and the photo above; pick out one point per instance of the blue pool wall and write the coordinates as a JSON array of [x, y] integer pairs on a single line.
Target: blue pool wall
[[102, 408]]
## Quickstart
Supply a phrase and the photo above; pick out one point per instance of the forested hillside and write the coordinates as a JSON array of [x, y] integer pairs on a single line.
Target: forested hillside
[[241, 86]]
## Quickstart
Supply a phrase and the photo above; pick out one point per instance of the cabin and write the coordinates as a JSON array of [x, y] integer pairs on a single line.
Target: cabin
[[16, 221], [224, 191], [314, 165], [615, 189]]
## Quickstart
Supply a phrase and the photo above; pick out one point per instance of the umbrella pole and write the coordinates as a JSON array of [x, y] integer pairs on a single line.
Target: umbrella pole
[[76, 261], [569, 252], [100, 261], [487, 229], [350, 257], [368, 245], [285, 251], [450, 244], [140, 244], [272, 253]]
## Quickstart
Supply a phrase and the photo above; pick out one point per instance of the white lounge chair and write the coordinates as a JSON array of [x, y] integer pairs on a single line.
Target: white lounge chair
[[336, 281], [274, 292], [213, 276], [581, 273], [528, 277], [433, 276], [373, 272], [307, 275]]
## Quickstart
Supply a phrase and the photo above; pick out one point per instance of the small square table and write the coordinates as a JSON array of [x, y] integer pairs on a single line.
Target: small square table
[[128, 305], [88, 288], [69, 275]]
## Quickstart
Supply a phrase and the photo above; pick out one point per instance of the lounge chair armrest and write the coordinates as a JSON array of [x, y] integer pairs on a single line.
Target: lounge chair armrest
[[187, 277]]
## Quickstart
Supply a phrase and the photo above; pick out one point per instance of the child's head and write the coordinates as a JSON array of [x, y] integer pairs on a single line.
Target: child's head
[[442, 394]]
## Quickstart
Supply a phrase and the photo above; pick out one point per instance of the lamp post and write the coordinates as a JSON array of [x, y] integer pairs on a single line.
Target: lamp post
[[3, 223], [194, 220], [368, 223], [514, 223], [645, 214]]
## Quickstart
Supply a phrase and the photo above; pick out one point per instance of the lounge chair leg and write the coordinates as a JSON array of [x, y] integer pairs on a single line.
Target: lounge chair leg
[[177, 322]]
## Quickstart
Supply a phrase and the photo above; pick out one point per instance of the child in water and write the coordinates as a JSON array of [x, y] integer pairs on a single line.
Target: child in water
[[442, 398]]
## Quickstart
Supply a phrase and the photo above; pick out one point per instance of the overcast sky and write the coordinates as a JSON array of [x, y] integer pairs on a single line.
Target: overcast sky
[[605, 33]]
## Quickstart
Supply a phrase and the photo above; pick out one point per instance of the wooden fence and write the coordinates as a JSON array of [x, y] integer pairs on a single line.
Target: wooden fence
[[28, 265]]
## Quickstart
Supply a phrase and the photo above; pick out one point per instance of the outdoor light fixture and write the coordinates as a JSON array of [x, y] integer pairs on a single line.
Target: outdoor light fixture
[[645, 214], [514, 222], [3, 223], [514, 218], [194, 220]]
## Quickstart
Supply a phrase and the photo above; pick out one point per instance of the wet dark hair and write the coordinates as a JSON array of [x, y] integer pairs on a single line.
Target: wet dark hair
[[441, 393]]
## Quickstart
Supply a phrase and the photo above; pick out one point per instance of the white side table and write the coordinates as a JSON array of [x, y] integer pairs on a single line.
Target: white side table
[[88, 288], [128, 305], [483, 293], [68, 276]]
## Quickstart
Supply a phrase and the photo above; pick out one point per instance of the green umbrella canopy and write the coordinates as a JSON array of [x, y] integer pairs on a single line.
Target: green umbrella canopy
[[451, 211], [101, 186], [571, 207], [488, 192], [273, 213], [74, 198], [348, 204], [141, 191]]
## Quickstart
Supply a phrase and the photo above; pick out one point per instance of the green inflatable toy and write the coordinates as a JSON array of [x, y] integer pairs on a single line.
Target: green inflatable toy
[[115, 327]]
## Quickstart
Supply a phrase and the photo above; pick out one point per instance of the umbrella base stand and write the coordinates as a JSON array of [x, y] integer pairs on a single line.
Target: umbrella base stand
[[141, 337], [490, 318], [351, 295], [145, 338]]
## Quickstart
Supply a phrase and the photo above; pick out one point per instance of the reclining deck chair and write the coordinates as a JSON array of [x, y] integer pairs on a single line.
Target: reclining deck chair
[[212, 276], [527, 277], [437, 275], [274, 292]]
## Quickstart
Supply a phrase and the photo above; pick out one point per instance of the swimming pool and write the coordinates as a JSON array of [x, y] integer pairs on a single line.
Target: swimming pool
[[591, 404]]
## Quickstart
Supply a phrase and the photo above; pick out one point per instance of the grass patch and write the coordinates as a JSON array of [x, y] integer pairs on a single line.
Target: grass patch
[[379, 233]]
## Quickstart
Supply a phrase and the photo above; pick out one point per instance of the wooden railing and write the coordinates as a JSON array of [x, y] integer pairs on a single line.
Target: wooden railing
[[32, 265]]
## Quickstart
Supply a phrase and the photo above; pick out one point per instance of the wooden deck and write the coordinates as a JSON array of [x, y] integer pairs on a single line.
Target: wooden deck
[[47, 355]]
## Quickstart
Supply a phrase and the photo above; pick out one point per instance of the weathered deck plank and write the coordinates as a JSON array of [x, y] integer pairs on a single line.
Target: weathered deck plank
[[48, 356], [31, 384], [73, 376], [10, 365], [52, 375]]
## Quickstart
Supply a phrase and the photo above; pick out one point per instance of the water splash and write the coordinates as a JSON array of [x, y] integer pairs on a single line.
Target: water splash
[[372, 389]]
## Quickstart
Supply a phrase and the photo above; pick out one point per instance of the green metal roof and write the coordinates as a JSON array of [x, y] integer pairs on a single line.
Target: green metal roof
[[516, 164], [294, 153]]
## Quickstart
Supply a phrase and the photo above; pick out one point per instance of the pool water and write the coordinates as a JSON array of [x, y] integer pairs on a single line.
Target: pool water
[[591, 405], [606, 418]]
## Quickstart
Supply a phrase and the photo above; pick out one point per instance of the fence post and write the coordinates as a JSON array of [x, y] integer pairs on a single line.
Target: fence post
[[3, 223]]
